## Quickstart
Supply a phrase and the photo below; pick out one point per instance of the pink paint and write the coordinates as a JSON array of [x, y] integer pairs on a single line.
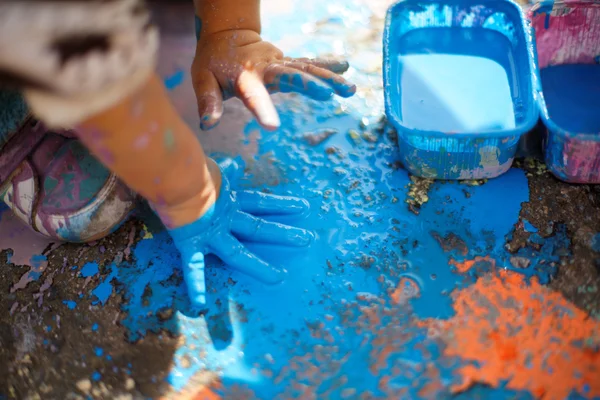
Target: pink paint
[[569, 36], [24, 242], [581, 161], [127, 251]]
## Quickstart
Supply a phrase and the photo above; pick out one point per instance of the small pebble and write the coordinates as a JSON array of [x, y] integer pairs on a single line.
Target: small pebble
[[129, 384], [84, 385]]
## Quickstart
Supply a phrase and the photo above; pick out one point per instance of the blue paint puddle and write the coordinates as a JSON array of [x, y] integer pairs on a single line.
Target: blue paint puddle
[[90, 269], [368, 241], [454, 80], [571, 95]]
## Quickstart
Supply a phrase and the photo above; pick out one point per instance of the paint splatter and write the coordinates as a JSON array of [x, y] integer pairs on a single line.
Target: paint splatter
[[526, 335], [173, 81], [69, 303], [89, 269]]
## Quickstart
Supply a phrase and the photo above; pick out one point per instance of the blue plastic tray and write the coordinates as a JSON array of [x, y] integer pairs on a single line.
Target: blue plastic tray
[[460, 85]]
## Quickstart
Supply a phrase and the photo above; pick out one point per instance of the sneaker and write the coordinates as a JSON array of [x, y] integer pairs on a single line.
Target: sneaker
[[52, 183]]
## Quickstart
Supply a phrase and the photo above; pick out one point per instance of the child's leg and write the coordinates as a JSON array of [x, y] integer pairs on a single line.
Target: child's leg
[[144, 141]]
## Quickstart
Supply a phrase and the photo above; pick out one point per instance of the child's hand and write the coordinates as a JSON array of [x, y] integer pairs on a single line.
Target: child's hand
[[238, 63], [235, 217]]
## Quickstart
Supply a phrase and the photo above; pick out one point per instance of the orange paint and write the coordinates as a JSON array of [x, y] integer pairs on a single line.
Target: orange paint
[[464, 266], [527, 335], [406, 289], [206, 394]]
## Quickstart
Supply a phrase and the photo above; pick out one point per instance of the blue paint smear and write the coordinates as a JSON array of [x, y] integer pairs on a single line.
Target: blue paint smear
[[528, 227], [90, 269], [69, 303], [105, 289], [173, 81]]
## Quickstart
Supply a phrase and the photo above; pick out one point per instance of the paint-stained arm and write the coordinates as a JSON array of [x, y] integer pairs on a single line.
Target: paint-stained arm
[[232, 60]]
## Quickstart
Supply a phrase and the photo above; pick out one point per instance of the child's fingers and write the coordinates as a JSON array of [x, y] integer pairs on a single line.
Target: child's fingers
[[193, 272], [210, 99], [238, 257], [340, 86], [279, 78], [250, 228], [263, 204], [337, 66], [251, 90]]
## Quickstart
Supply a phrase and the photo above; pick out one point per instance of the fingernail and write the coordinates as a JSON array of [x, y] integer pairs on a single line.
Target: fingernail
[[271, 122], [206, 123]]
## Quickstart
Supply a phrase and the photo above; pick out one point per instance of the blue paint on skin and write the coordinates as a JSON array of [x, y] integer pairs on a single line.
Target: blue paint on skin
[[295, 83], [69, 303], [571, 95], [173, 81], [90, 269]]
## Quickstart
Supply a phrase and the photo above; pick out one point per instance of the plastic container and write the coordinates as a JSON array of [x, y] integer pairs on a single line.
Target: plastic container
[[568, 52], [460, 81]]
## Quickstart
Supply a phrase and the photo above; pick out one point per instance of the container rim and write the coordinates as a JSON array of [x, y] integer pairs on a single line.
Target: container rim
[[529, 38]]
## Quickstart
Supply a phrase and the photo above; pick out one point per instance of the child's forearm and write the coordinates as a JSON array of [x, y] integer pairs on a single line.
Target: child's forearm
[[144, 141], [223, 15]]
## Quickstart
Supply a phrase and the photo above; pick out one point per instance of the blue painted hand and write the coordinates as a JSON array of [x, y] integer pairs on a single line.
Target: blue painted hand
[[235, 217]]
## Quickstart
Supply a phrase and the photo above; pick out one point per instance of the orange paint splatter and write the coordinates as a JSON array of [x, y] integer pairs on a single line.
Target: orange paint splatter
[[527, 335], [466, 265], [406, 289]]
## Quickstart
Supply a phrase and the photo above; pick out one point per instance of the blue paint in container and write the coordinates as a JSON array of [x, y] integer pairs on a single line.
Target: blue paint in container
[[570, 86], [571, 92], [459, 86]]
